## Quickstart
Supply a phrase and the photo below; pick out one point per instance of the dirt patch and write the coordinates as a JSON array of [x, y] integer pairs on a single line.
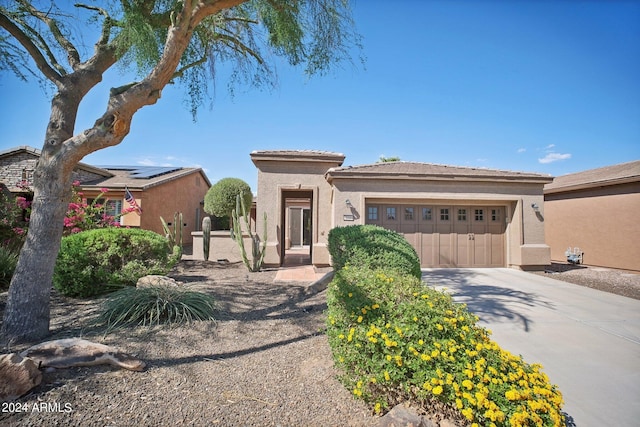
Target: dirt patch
[[265, 362], [617, 282]]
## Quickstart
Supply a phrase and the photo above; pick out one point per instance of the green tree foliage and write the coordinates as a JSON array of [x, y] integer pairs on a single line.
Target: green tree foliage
[[384, 159], [220, 200], [186, 42]]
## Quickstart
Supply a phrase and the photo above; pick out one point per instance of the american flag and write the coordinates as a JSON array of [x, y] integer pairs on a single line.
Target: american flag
[[131, 200]]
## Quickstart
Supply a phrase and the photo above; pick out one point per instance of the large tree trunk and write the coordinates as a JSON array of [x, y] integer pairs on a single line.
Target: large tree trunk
[[27, 311]]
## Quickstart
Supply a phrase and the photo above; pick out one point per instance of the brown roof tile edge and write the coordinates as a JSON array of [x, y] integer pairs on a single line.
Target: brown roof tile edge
[[599, 177], [418, 170], [297, 155]]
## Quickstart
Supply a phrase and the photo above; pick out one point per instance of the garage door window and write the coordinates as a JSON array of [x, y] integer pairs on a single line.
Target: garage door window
[[462, 214], [426, 214], [391, 213], [372, 213], [444, 214], [495, 215], [479, 215], [408, 214]]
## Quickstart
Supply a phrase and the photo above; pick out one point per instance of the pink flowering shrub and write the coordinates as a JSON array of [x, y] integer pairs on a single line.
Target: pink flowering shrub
[[81, 215]]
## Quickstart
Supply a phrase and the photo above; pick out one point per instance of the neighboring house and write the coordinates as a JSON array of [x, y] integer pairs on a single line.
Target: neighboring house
[[159, 191], [597, 211], [453, 216]]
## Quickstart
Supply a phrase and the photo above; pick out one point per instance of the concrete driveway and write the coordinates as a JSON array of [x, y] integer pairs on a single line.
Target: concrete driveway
[[588, 341]]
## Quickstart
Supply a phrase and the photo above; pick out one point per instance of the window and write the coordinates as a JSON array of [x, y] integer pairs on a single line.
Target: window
[[444, 214], [372, 213], [462, 214], [479, 214], [112, 207], [408, 214], [426, 214], [391, 213], [495, 215]]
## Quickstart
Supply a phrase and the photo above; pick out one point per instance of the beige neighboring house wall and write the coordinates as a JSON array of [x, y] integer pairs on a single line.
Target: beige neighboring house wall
[[489, 219], [159, 191], [597, 211]]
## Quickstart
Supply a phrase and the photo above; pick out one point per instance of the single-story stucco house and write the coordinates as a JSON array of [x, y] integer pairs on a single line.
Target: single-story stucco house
[[596, 211], [453, 216], [158, 191]]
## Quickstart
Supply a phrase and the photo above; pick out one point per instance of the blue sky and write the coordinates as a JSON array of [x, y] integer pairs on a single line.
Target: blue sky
[[550, 87]]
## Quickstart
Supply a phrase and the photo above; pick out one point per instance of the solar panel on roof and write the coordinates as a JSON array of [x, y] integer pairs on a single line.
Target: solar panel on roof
[[153, 171], [144, 172]]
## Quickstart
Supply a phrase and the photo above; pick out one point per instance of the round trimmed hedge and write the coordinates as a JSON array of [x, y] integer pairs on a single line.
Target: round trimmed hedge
[[98, 261], [373, 247]]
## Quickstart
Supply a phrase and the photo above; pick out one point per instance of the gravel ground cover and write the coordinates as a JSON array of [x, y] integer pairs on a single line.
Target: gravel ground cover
[[265, 362]]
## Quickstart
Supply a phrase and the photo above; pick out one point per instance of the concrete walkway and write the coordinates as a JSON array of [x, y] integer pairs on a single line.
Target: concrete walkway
[[588, 341], [302, 273]]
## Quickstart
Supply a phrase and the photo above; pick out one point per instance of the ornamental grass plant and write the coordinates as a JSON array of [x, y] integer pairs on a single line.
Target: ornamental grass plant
[[155, 305]]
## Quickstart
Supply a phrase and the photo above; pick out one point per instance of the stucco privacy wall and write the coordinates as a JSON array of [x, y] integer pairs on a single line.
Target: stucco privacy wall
[[524, 236], [294, 174], [602, 222]]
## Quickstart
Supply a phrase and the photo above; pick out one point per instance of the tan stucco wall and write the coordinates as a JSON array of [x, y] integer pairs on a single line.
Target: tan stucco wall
[[525, 245], [180, 195], [221, 246], [277, 177], [603, 223]]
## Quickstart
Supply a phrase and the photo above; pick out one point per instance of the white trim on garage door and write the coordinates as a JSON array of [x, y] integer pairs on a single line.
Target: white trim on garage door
[[446, 235]]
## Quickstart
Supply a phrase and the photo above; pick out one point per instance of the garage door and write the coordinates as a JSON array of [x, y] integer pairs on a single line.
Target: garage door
[[447, 235]]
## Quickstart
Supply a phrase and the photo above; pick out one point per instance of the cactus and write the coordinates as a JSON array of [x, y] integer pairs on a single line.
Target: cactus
[[173, 233], [257, 246], [206, 237]]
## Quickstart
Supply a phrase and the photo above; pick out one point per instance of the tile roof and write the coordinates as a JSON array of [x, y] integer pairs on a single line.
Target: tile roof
[[117, 177], [124, 176], [417, 170], [297, 155], [36, 153], [608, 175]]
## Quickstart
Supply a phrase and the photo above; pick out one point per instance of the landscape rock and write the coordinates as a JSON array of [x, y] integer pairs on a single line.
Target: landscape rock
[[70, 352], [157, 280], [402, 416], [18, 375]]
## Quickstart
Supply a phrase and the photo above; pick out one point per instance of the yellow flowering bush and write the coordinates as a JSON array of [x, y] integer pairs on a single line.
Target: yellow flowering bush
[[396, 340]]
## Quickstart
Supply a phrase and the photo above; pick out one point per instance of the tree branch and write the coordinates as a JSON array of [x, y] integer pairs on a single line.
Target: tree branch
[[181, 71], [106, 26], [238, 46], [72, 53], [31, 48]]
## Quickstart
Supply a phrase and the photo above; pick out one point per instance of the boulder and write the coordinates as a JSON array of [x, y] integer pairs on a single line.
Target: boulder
[[157, 280], [18, 375], [402, 416], [70, 352]]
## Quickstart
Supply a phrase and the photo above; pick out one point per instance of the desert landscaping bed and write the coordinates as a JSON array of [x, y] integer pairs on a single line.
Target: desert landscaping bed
[[265, 362]]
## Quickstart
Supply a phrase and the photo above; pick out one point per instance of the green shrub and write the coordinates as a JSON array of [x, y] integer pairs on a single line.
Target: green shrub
[[373, 247], [396, 340], [8, 261], [220, 199], [155, 305], [97, 261]]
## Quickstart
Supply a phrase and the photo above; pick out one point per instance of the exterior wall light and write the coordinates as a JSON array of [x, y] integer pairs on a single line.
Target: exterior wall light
[[535, 207], [348, 202]]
